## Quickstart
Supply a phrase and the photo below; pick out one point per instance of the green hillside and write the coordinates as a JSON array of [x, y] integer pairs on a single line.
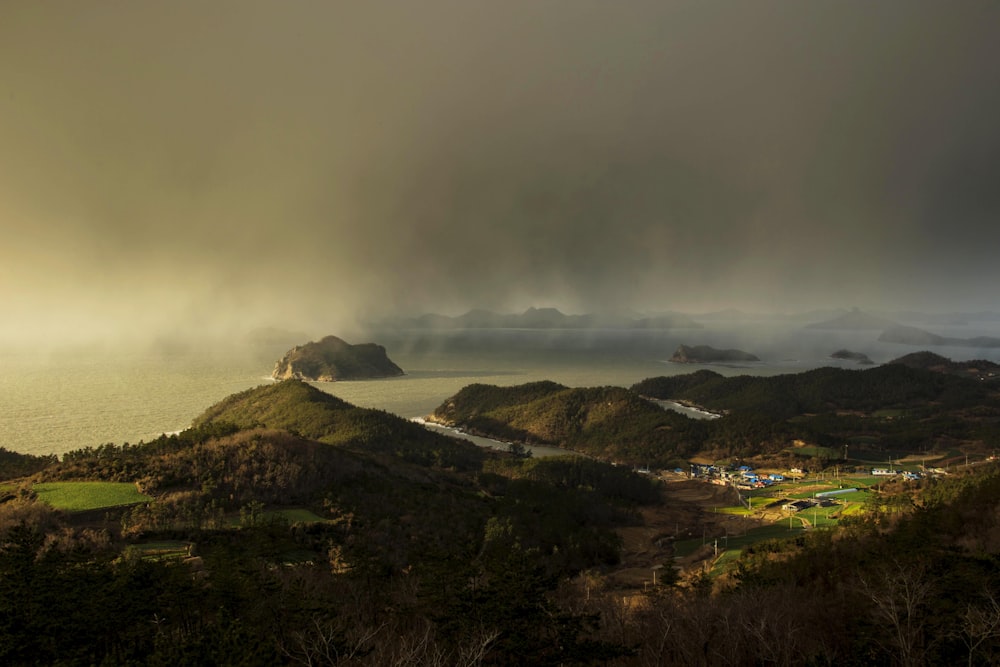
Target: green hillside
[[300, 408], [820, 390], [609, 422]]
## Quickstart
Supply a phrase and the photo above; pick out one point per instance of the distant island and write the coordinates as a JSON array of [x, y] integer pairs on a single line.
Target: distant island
[[701, 354], [859, 357], [542, 318], [914, 336], [332, 359], [853, 320]]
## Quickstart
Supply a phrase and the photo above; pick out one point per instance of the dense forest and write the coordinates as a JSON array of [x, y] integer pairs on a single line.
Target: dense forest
[[415, 548]]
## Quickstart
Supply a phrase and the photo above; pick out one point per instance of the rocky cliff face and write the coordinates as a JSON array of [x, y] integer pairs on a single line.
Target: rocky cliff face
[[332, 359], [700, 354]]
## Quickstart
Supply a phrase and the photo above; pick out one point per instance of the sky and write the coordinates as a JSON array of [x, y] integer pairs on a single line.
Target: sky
[[177, 166]]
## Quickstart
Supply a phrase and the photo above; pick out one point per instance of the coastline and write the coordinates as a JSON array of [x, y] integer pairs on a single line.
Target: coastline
[[490, 443], [688, 408]]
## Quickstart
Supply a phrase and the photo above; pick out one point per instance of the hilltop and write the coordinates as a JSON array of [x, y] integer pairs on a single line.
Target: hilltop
[[331, 359], [611, 423], [978, 369], [299, 408]]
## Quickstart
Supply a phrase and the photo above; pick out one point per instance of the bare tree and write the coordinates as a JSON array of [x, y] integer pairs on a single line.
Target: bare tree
[[898, 595], [980, 624], [323, 642]]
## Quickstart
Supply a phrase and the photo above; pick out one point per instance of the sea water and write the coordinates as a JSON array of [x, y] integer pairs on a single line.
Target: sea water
[[54, 402]]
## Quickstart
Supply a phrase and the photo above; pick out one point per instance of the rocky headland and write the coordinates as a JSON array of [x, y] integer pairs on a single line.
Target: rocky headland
[[331, 359]]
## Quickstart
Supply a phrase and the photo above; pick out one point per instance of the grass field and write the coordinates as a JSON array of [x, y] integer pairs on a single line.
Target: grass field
[[729, 547], [737, 542], [80, 496]]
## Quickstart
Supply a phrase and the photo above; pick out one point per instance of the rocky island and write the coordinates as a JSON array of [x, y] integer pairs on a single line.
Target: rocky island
[[332, 359], [703, 354], [847, 355]]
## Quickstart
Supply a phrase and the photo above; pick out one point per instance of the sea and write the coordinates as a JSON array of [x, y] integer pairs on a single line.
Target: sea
[[55, 400]]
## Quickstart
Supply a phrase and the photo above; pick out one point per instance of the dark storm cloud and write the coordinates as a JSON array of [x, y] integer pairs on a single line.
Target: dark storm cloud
[[262, 161]]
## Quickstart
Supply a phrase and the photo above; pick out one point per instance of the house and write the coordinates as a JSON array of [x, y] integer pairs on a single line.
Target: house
[[796, 506]]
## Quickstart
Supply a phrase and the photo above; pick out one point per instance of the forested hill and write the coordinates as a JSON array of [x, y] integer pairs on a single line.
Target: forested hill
[[304, 530], [978, 369], [821, 390], [888, 410], [608, 422], [300, 408]]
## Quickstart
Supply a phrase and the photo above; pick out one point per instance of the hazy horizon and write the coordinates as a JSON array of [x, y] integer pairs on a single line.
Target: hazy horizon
[[184, 166]]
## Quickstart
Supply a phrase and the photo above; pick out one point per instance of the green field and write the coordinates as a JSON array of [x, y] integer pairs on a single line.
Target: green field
[[80, 496], [729, 547], [737, 542]]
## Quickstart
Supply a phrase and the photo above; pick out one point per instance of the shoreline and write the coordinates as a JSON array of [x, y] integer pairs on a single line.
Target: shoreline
[[686, 408], [491, 443]]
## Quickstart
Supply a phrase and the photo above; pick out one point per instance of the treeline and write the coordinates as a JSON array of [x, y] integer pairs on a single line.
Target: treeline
[[303, 410], [14, 464], [821, 390]]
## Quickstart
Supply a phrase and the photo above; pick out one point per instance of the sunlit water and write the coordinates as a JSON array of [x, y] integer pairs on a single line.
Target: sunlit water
[[56, 402]]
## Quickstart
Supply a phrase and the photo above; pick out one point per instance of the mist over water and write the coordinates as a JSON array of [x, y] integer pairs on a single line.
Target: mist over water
[[56, 402], [172, 166]]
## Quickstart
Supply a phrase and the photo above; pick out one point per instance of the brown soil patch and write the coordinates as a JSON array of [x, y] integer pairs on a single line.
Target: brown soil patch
[[686, 511]]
